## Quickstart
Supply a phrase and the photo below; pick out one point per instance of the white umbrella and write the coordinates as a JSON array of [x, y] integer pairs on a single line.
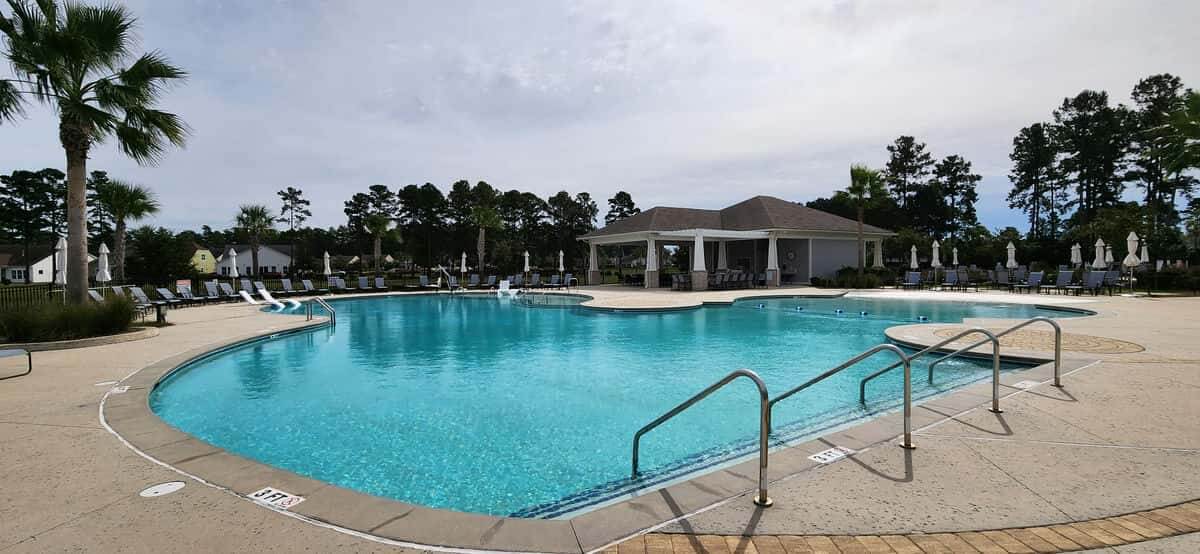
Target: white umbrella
[[463, 268], [353, 260], [526, 261], [102, 275], [1145, 253], [912, 263], [1076, 254], [328, 270], [1108, 257], [1012, 256], [389, 259], [560, 261], [1098, 263], [1131, 244], [954, 262], [60, 262], [937, 257], [233, 272]]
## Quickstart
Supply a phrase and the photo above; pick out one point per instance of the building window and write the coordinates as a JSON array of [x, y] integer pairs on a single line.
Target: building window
[[203, 257], [272, 269]]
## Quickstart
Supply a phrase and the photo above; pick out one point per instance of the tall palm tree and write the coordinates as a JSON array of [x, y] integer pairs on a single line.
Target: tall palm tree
[[378, 225], [866, 186], [125, 202], [485, 218], [72, 57], [256, 220]]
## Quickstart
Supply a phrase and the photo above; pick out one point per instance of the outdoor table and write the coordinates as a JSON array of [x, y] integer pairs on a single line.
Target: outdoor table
[[18, 352], [160, 313]]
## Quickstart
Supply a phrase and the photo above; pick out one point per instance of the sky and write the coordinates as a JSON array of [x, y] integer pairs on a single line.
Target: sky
[[681, 103]]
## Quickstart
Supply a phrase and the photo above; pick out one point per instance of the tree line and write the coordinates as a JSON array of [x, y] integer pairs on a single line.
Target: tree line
[[1071, 176]]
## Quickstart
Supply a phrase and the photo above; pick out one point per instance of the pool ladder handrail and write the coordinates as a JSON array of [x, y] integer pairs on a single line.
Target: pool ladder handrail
[[764, 426], [321, 301], [904, 361], [1031, 321], [991, 337]]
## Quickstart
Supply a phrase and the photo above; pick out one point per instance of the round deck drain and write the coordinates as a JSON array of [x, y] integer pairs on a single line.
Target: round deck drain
[[161, 489]]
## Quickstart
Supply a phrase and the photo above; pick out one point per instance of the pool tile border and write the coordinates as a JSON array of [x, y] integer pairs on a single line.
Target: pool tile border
[[129, 416]]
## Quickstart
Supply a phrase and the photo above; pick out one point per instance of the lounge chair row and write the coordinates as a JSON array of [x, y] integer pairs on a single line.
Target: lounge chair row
[[1094, 282]]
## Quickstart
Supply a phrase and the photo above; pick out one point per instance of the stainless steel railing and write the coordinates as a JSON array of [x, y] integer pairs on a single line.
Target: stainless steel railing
[[1039, 319], [321, 302], [991, 337], [764, 425], [904, 361]]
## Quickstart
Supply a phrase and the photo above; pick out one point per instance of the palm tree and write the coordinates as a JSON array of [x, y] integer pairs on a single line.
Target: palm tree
[[256, 220], [125, 202], [72, 57], [865, 188], [377, 225], [485, 218]]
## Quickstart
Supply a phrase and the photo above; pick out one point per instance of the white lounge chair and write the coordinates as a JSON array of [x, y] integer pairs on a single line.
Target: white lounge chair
[[266, 294], [506, 289], [246, 296]]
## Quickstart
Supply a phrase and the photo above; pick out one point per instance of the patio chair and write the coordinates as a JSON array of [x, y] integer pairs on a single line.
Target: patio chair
[[1112, 281], [473, 281], [212, 292], [1061, 281], [1002, 281], [228, 292], [266, 295], [381, 284], [1035, 281], [964, 280], [535, 281], [244, 284], [517, 281], [364, 285], [554, 282], [1092, 280], [288, 289], [423, 282], [339, 285], [912, 280], [309, 288], [139, 296], [1020, 274], [569, 281], [491, 282], [95, 295], [170, 298], [452, 283], [950, 281], [185, 292]]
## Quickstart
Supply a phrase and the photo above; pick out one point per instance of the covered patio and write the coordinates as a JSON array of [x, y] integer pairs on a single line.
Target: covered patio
[[786, 242]]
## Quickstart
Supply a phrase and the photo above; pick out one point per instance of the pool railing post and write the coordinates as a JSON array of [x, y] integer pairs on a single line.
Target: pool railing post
[[1057, 352], [995, 375], [907, 444], [764, 429]]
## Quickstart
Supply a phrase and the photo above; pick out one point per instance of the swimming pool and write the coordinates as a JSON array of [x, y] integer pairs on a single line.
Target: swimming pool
[[479, 404]]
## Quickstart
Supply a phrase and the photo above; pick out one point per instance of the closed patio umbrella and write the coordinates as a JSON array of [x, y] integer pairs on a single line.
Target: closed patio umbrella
[[1098, 262], [1145, 253], [102, 275], [327, 270], [954, 259], [1108, 257], [560, 262], [233, 272], [526, 261], [1012, 256], [912, 262], [60, 262], [462, 268], [1076, 254], [1131, 244], [937, 256]]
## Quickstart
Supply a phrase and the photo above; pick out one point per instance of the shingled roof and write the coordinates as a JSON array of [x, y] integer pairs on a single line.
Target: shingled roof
[[756, 214]]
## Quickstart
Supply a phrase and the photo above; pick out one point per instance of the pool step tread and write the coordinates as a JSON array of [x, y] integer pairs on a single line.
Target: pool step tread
[[1168, 521]]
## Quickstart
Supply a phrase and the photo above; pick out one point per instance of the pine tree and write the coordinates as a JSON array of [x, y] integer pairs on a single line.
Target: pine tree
[[1036, 187], [907, 170], [1093, 139], [954, 180]]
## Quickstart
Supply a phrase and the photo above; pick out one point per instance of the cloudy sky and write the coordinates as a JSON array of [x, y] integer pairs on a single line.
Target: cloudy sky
[[687, 103]]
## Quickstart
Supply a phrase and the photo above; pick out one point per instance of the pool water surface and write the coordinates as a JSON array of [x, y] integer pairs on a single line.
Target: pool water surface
[[479, 404]]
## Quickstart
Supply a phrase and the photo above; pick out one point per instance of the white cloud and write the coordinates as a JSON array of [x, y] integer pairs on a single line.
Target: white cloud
[[685, 103]]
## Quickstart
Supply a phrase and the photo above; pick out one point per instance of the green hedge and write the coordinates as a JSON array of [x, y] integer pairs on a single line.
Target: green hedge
[[54, 321]]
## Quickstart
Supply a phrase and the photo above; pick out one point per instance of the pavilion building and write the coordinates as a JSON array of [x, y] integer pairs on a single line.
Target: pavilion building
[[789, 242]]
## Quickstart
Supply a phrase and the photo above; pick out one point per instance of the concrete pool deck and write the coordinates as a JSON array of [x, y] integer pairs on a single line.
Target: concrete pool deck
[[1123, 436]]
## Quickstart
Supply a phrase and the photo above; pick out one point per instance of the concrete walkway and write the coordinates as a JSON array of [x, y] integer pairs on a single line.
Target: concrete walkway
[[1123, 436]]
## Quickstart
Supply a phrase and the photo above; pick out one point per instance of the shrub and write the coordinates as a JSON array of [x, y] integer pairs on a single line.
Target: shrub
[[52, 321]]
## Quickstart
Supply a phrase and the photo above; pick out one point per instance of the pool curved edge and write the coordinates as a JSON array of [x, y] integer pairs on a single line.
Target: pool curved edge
[[129, 417]]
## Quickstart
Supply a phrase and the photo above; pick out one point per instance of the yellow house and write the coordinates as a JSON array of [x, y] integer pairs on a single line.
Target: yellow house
[[203, 260]]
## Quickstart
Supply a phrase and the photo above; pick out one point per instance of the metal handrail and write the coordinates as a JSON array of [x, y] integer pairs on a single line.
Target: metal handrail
[[4, 353], [991, 337], [323, 304], [904, 361], [1057, 346], [764, 424]]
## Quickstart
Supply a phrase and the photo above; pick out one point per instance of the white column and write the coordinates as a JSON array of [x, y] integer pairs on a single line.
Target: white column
[[772, 253], [592, 264], [878, 253], [722, 258], [651, 255], [698, 254]]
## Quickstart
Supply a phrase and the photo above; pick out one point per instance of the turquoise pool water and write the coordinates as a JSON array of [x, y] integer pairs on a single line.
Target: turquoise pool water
[[485, 405]]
